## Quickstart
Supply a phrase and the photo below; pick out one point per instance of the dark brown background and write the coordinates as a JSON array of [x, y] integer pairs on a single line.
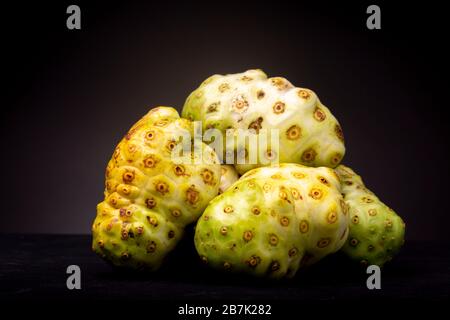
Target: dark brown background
[[71, 95]]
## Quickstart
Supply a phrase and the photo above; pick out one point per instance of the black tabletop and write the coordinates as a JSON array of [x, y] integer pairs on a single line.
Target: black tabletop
[[33, 268]]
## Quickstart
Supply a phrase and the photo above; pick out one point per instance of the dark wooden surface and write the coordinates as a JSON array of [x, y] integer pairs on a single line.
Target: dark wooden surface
[[33, 268]]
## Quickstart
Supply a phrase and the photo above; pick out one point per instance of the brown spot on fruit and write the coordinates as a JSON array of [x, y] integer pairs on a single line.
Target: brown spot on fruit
[[128, 177], [161, 187], [274, 266], [292, 252], [223, 231], [256, 125], [228, 209], [260, 94], [293, 133], [316, 193], [246, 78], [304, 226], [336, 159], [207, 176], [239, 104], [339, 132], [284, 221], [151, 247], [319, 114], [253, 261], [248, 235], [323, 180], [179, 170], [150, 161], [304, 94], [367, 199], [353, 242], [171, 145], [125, 256], [226, 265], [278, 107], [171, 234], [176, 213], [256, 210], [213, 107], [355, 219], [309, 155], [150, 135], [295, 194], [332, 216], [192, 195], [204, 259], [273, 240], [150, 203], [224, 87], [372, 212], [153, 221], [279, 82], [324, 242], [161, 122]]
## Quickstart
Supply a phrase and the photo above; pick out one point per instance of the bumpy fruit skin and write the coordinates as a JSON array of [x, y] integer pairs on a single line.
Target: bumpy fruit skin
[[308, 133], [228, 177], [376, 231], [149, 199], [274, 220]]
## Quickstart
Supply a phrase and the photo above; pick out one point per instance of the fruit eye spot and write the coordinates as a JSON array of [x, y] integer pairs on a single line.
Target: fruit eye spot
[[128, 176], [303, 94], [322, 243], [274, 266], [260, 94], [293, 133], [273, 240], [248, 235], [319, 115], [176, 213], [355, 219], [353, 242], [292, 252], [171, 234], [228, 209], [223, 231], [309, 155], [150, 135], [284, 221], [315, 194], [324, 181], [278, 107], [332, 217], [372, 212], [151, 247], [151, 203], [256, 210], [179, 170], [304, 227]]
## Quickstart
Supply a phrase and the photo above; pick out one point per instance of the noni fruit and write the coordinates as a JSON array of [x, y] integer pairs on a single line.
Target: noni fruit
[[273, 221], [376, 231], [307, 132], [149, 198]]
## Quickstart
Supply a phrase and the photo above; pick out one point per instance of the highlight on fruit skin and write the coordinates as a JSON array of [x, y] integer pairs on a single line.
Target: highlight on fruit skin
[[308, 133], [149, 199], [273, 221], [376, 231], [228, 177]]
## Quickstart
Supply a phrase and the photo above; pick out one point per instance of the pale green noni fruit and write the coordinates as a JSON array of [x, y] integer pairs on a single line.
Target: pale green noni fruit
[[376, 231], [273, 221], [307, 131]]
